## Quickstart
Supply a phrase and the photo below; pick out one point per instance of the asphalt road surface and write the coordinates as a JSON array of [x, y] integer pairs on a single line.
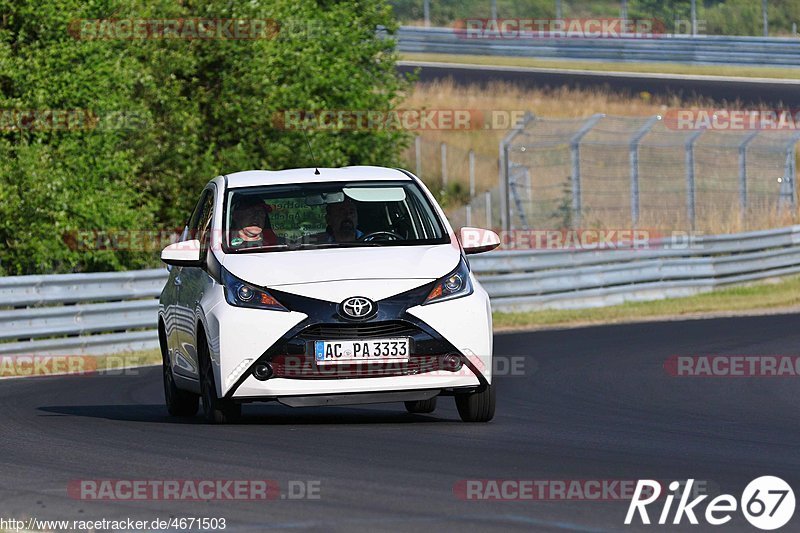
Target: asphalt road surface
[[591, 404], [745, 91]]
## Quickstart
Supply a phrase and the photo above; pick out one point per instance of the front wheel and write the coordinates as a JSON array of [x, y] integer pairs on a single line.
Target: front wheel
[[215, 410], [179, 402], [476, 406]]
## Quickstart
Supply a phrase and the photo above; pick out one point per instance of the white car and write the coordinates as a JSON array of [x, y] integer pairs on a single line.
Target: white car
[[332, 286]]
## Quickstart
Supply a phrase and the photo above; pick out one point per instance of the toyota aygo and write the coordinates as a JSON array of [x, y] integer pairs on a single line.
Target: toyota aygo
[[332, 286]]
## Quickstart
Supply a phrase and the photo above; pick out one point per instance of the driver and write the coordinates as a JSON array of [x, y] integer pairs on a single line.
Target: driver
[[342, 221]]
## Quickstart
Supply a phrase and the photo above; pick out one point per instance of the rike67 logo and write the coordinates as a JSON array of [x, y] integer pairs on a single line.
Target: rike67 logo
[[767, 503]]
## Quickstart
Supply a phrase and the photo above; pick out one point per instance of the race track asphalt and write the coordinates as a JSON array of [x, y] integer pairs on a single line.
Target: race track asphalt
[[592, 403], [732, 91]]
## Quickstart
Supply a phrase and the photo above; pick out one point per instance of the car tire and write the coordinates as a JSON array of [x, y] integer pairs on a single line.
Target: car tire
[[421, 406], [215, 410], [476, 406], [179, 402]]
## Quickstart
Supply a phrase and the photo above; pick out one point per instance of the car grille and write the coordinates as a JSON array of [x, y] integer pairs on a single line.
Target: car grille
[[375, 330], [304, 367]]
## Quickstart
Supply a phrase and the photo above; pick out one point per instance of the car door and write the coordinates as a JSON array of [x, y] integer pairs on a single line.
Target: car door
[[191, 283]]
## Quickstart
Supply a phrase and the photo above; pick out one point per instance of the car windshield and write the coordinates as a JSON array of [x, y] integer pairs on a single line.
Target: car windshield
[[330, 215]]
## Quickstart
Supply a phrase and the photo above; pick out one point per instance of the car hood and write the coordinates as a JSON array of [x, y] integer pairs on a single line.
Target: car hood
[[277, 269]]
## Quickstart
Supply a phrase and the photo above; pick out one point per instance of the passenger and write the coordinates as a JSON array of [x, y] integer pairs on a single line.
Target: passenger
[[250, 224]]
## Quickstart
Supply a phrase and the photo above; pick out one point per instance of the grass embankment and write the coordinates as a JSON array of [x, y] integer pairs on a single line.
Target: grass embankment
[[606, 188], [646, 68], [757, 298]]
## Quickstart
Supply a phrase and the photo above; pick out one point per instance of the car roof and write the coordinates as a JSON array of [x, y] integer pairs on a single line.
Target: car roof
[[254, 178]]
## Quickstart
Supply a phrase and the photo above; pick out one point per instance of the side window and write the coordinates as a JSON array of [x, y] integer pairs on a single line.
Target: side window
[[194, 220], [200, 223]]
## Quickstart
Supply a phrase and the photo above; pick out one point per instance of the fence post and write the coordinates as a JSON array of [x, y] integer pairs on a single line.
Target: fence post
[[418, 154], [515, 169], [488, 197], [505, 203], [743, 172], [690, 181], [443, 148], [788, 188], [471, 174], [634, 160], [574, 145]]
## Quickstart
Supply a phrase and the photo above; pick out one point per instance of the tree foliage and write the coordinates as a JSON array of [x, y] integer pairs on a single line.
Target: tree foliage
[[169, 114]]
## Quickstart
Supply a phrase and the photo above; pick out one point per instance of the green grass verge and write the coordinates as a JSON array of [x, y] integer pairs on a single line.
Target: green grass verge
[[760, 296], [128, 359], [649, 68], [41, 365]]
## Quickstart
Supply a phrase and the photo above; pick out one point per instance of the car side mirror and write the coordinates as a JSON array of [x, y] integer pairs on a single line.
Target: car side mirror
[[477, 240], [184, 253]]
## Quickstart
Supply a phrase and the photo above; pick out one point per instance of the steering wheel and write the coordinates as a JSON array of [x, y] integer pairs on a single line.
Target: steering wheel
[[381, 235]]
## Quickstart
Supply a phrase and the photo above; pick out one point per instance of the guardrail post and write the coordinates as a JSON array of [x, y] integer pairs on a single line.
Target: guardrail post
[[690, 181], [505, 174], [418, 155], [788, 190], [575, 155], [743, 171], [634, 159]]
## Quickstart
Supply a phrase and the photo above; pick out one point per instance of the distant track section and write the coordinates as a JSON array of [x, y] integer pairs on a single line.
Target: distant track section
[[702, 50], [746, 91]]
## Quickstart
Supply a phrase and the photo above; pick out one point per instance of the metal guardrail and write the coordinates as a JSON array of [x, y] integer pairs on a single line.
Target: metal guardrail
[[542, 279], [702, 50], [80, 313], [112, 312]]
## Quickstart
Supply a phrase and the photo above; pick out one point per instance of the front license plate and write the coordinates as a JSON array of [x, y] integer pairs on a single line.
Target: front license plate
[[338, 352]]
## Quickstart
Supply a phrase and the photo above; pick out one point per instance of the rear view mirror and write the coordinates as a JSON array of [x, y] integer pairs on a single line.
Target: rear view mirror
[[185, 253], [477, 240], [325, 198]]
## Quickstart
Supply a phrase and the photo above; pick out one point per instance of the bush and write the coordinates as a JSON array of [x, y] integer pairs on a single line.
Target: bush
[[171, 114]]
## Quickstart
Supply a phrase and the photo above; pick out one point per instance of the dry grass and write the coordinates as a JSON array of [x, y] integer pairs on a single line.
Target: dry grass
[[717, 212], [560, 103]]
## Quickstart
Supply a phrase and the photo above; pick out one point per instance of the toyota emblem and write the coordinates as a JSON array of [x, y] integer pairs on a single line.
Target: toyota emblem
[[358, 308]]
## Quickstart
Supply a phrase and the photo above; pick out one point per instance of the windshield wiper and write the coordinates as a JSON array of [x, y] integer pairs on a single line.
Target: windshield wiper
[[334, 245]]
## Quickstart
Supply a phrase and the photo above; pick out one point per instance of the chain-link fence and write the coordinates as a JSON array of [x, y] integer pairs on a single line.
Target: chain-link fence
[[465, 181], [608, 171]]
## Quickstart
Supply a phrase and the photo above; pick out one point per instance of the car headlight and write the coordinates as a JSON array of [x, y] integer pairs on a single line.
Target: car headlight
[[454, 285], [242, 294]]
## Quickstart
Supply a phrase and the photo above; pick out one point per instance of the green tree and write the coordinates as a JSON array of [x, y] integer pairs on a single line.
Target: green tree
[[172, 113]]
